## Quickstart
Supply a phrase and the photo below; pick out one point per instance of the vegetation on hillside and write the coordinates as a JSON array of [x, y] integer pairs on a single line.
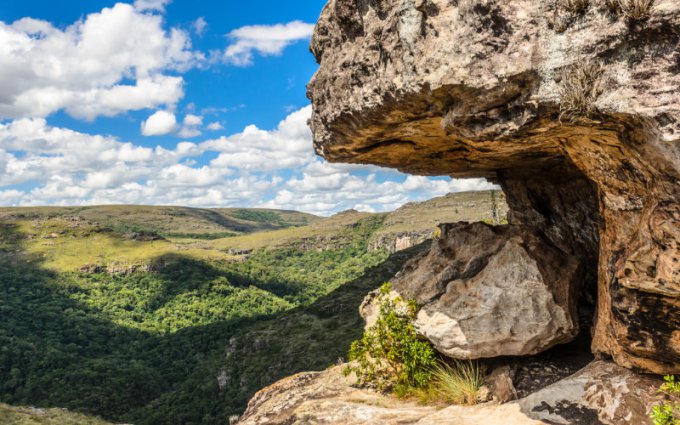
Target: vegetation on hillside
[[168, 222], [104, 312], [11, 415], [148, 347]]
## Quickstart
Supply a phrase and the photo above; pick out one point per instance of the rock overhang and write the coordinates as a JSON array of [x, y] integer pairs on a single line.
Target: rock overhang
[[404, 74], [473, 89]]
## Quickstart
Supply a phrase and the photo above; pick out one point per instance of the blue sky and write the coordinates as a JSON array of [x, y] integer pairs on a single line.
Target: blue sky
[[197, 103]]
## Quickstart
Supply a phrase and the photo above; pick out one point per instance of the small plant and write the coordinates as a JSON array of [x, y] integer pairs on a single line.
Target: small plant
[[390, 356], [667, 412], [575, 7], [581, 87], [459, 383], [633, 10], [437, 233], [566, 11], [613, 6], [637, 10]]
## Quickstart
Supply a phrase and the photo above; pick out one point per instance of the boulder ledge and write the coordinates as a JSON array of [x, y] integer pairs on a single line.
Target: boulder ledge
[[602, 393], [576, 117]]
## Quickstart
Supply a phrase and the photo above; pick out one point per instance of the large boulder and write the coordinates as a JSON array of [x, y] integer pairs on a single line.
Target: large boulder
[[575, 114], [488, 291]]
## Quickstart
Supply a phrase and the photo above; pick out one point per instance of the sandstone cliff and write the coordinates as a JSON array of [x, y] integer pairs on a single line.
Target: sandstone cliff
[[575, 115], [575, 112]]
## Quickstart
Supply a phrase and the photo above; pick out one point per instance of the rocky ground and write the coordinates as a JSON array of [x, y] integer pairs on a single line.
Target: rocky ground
[[600, 393]]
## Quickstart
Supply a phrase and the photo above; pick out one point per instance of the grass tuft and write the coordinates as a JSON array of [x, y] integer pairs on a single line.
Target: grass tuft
[[458, 383], [613, 6], [575, 7], [633, 10], [581, 86], [637, 10]]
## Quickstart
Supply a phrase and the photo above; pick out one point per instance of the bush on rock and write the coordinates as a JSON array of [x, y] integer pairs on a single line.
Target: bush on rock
[[390, 356]]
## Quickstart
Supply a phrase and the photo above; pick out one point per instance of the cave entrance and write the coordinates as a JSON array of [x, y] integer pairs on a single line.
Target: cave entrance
[[559, 201], [488, 291], [561, 204]]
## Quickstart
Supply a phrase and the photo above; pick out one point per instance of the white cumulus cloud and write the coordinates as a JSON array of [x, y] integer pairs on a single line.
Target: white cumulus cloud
[[266, 40], [199, 26], [215, 126], [254, 149], [156, 5], [106, 63], [41, 164], [160, 124], [191, 126]]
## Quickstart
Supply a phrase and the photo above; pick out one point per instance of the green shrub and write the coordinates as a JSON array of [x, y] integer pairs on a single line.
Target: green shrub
[[667, 412], [437, 233], [390, 356]]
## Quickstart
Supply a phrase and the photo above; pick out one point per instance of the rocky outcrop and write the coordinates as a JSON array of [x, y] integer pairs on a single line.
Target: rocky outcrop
[[400, 241], [600, 394], [416, 222], [488, 291], [487, 88]]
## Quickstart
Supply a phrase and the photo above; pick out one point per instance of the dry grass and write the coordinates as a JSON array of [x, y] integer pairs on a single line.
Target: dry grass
[[613, 6], [582, 84], [566, 11], [458, 383], [637, 10], [575, 7], [633, 10]]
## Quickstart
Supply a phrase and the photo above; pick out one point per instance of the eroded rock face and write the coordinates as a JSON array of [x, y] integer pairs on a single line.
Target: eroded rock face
[[472, 88], [490, 291], [601, 393]]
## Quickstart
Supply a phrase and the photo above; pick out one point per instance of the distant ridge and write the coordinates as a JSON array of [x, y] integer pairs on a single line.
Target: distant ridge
[[170, 221]]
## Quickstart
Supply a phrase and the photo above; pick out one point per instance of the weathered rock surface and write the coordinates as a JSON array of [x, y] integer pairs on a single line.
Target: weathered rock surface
[[601, 393], [500, 384], [473, 88], [490, 291]]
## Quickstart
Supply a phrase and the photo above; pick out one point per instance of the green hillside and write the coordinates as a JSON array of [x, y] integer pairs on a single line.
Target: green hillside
[[201, 223], [11, 415], [136, 325]]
